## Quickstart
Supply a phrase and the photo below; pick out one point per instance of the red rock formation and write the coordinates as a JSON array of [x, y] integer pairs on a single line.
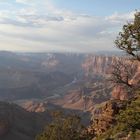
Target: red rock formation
[[75, 100], [33, 106], [136, 79], [119, 92], [105, 117], [98, 65]]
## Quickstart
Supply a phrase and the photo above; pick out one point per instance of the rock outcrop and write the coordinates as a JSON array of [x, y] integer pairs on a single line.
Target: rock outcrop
[[120, 92], [104, 117]]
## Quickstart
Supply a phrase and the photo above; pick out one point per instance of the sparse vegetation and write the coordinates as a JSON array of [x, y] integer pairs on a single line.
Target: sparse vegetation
[[63, 128], [128, 123]]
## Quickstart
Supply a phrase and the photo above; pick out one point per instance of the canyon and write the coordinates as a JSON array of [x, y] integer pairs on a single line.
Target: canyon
[[36, 84]]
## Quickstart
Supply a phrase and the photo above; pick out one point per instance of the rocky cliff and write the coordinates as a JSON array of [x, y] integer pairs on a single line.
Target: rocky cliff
[[117, 120], [104, 117], [98, 65], [131, 72]]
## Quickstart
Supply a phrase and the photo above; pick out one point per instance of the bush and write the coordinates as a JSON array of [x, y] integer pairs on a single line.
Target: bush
[[63, 128]]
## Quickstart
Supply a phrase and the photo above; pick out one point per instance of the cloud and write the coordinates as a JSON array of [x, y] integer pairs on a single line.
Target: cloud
[[121, 18], [25, 1], [53, 29]]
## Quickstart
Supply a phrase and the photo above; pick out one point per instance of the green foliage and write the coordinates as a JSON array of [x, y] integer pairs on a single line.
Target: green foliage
[[129, 39], [63, 128], [131, 116], [128, 123]]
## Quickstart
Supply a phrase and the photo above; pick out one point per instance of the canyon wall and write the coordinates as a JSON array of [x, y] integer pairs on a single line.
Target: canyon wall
[[98, 64], [95, 66]]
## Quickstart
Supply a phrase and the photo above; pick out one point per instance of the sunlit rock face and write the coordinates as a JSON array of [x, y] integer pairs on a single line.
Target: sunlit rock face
[[33, 106], [98, 65], [104, 65], [136, 78], [119, 92], [104, 117]]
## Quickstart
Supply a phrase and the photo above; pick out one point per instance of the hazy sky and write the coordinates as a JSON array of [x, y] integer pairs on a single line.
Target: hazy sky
[[63, 25]]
